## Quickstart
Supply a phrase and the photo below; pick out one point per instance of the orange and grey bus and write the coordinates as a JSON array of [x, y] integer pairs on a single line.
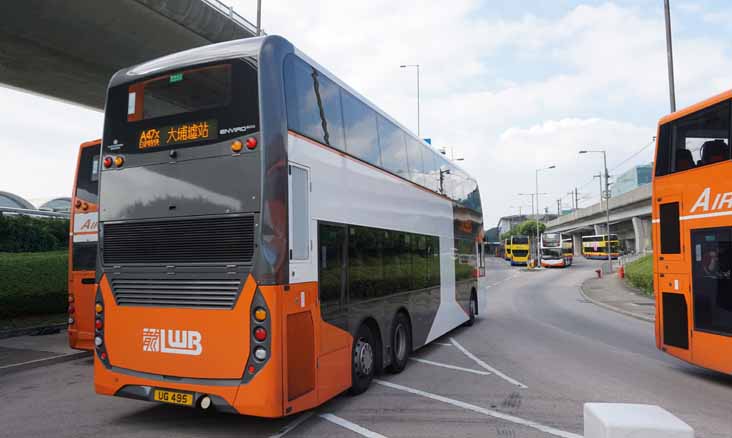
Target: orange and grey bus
[[83, 247], [268, 237]]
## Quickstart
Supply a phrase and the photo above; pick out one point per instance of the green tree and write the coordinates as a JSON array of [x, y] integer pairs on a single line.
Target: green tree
[[526, 228]]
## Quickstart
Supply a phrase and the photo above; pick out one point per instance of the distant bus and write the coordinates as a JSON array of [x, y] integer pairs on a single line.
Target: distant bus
[[83, 247], [554, 252], [568, 250], [507, 249], [268, 237], [520, 250], [692, 234], [596, 247]]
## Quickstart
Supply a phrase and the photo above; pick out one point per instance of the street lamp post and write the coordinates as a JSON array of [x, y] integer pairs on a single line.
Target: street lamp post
[[417, 66], [605, 195], [538, 251]]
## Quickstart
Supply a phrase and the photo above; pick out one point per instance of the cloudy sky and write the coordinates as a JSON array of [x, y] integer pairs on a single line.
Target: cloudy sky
[[510, 86]]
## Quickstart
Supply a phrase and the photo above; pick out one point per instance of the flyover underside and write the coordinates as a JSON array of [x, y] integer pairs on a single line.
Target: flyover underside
[[587, 223], [69, 49]]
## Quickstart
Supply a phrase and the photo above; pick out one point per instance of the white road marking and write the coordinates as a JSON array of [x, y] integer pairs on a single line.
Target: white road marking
[[486, 366], [444, 344], [351, 426], [293, 424], [452, 367], [484, 411]]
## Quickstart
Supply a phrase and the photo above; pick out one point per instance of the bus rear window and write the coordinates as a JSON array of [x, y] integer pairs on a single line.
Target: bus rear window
[[520, 240], [180, 92]]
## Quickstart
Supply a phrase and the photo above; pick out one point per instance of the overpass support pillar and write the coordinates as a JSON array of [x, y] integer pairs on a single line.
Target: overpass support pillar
[[642, 229], [599, 229], [577, 244]]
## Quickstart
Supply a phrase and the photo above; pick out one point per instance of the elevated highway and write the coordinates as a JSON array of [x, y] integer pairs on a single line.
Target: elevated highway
[[69, 49], [630, 219]]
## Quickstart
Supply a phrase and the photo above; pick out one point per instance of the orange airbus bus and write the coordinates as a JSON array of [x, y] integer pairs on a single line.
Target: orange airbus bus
[[692, 234], [268, 237], [83, 247]]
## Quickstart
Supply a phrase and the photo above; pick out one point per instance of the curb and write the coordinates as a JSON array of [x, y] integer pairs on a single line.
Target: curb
[[33, 331], [14, 368], [613, 308]]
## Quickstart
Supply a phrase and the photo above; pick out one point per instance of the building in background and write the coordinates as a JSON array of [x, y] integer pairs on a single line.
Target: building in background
[[632, 179], [507, 222], [12, 204]]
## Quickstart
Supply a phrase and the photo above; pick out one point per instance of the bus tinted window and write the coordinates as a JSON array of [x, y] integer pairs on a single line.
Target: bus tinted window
[[313, 104], [393, 148], [465, 260], [696, 140], [520, 240], [182, 92], [87, 187], [362, 139], [431, 170]]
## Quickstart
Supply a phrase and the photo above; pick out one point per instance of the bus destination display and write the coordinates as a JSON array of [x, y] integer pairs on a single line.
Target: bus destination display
[[177, 134]]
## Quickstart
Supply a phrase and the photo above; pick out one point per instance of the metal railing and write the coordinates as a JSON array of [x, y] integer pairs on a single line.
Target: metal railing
[[228, 11]]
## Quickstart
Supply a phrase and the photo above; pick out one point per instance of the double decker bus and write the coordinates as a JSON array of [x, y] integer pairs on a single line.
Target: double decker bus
[[507, 249], [568, 250], [692, 234], [83, 247], [520, 250], [554, 251], [268, 237], [597, 247]]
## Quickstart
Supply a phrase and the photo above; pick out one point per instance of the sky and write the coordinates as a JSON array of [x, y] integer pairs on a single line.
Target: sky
[[509, 86]]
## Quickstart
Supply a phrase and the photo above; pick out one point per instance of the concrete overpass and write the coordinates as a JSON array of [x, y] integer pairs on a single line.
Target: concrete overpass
[[630, 219], [69, 49]]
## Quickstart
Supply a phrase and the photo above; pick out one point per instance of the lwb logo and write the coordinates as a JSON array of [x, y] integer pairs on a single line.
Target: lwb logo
[[172, 341]]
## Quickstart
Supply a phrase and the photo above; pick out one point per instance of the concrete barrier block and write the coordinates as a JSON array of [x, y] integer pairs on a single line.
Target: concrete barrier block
[[621, 420]]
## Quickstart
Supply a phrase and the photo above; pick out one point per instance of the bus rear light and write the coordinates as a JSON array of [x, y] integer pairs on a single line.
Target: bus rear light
[[98, 308], [119, 161], [98, 341], [260, 314], [77, 203], [98, 324], [251, 143], [72, 309], [71, 320], [236, 146], [260, 353], [251, 369], [260, 334], [71, 298], [103, 355], [108, 162], [85, 206]]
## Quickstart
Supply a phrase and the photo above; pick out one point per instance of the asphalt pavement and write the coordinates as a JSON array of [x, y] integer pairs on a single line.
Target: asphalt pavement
[[525, 369]]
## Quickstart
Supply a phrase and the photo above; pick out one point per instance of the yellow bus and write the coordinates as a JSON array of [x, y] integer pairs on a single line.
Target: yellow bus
[[520, 250], [596, 247], [268, 237], [507, 249]]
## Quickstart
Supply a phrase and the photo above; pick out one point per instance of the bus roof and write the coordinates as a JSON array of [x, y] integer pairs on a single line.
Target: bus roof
[[247, 47], [696, 107]]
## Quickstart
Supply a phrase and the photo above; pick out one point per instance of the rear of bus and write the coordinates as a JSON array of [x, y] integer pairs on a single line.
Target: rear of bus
[[194, 240], [83, 247], [551, 251], [520, 250], [568, 251], [507, 249]]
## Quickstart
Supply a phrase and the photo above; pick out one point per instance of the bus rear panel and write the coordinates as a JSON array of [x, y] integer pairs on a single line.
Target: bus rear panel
[[83, 247]]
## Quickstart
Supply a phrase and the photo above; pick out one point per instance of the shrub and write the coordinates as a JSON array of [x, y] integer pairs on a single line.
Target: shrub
[[640, 274], [31, 234], [33, 283]]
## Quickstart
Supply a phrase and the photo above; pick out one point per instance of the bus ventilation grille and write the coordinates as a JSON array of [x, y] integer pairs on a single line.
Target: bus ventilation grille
[[194, 241], [213, 294]]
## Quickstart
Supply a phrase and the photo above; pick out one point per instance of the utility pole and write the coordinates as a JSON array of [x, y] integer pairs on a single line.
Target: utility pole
[[418, 116], [576, 199], [559, 207], [670, 56]]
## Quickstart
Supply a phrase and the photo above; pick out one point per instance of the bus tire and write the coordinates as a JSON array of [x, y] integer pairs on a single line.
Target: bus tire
[[401, 343], [472, 309], [363, 360]]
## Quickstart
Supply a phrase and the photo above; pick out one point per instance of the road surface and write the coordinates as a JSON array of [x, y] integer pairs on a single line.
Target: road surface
[[523, 370]]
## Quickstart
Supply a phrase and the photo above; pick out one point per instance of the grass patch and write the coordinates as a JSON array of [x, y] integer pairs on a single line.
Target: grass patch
[[640, 274], [33, 283]]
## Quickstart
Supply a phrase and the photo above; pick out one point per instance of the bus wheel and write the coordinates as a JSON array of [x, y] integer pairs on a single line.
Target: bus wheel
[[401, 343], [364, 360], [473, 309]]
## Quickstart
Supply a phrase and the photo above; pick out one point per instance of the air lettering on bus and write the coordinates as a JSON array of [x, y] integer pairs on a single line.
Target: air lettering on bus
[[721, 200], [186, 342]]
